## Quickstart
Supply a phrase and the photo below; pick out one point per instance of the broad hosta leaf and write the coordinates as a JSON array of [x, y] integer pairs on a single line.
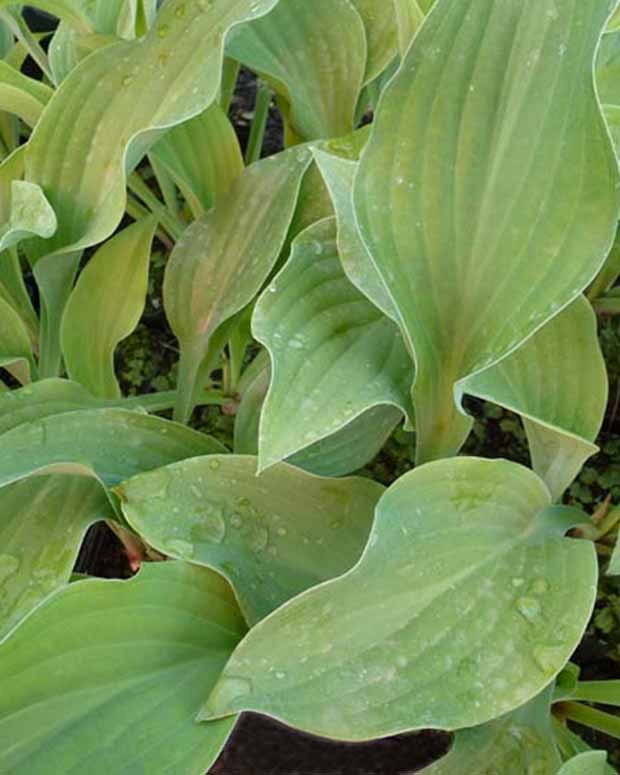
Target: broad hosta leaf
[[44, 519], [339, 454], [334, 355], [381, 35], [15, 348], [114, 443], [516, 744], [223, 259], [272, 536], [481, 224], [107, 301], [106, 676], [557, 381], [102, 113], [588, 763], [202, 156], [466, 603], [318, 51]]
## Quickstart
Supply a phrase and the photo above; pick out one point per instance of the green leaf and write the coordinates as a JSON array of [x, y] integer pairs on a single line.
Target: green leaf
[[102, 119], [613, 569], [107, 302], [608, 69], [466, 603], [114, 443], [482, 224], [223, 259], [588, 763], [517, 743], [72, 11], [409, 17], [15, 348], [271, 536], [557, 382], [22, 95], [13, 290], [44, 519], [202, 156], [334, 355], [381, 35], [106, 676], [316, 52]]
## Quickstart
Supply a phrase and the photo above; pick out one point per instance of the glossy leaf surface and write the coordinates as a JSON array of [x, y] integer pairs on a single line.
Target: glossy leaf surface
[[466, 603]]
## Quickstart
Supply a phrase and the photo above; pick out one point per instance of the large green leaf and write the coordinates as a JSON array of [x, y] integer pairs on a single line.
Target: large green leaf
[[44, 519], [202, 156], [272, 536], [329, 347], [557, 382], [516, 744], [409, 17], [223, 259], [108, 108], [114, 443], [587, 763], [105, 306], [488, 193], [466, 603], [106, 676], [318, 52]]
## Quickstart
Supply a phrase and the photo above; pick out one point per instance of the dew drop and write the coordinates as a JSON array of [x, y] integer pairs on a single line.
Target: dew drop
[[127, 80], [180, 11], [236, 520], [549, 658], [281, 531], [260, 538], [280, 675], [163, 31], [230, 690], [214, 465], [539, 586], [529, 608]]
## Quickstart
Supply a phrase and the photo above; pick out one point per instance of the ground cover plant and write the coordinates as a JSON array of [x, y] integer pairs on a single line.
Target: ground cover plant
[[438, 234]]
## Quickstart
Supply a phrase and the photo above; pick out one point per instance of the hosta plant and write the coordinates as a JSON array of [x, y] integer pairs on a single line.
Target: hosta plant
[[363, 278]]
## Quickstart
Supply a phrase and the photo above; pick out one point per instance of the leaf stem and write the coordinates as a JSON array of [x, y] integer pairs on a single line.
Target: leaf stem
[[230, 71], [171, 223], [259, 124], [590, 717]]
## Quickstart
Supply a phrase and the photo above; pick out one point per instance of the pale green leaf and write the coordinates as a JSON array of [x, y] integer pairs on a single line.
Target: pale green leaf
[[106, 676], [44, 519], [481, 223], [72, 11], [409, 17], [613, 569], [102, 113], [557, 382], [318, 51], [15, 348], [334, 355], [515, 744], [381, 35], [608, 69], [223, 259], [272, 536], [114, 443], [106, 305], [466, 603], [588, 763], [13, 290], [202, 156], [21, 95]]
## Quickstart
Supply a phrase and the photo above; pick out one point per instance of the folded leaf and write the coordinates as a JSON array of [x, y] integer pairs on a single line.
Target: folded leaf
[[44, 519], [518, 743], [481, 224], [334, 355], [466, 603], [557, 382], [381, 35], [110, 106], [202, 156], [588, 763], [113, 443], [106, 675], [107, 302], [318, 52], [22, 95], [409, 17], [271, 536], [223, 259]]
